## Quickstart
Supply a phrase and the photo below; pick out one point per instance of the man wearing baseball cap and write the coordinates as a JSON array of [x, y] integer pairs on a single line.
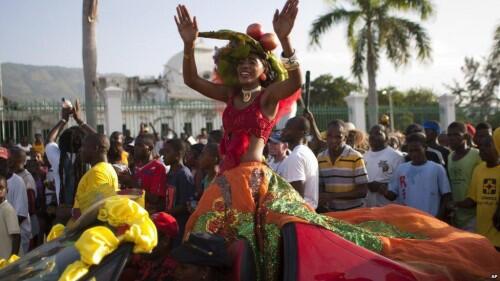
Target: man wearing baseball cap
[[432, 131], [278, 152]]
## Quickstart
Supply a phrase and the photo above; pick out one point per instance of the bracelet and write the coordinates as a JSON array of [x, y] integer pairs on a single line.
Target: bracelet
[[290, 63], [63, 120]]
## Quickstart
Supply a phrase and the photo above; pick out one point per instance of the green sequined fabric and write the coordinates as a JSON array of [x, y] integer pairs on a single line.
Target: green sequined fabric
[[285, 200], [380, 228], [281, 198]]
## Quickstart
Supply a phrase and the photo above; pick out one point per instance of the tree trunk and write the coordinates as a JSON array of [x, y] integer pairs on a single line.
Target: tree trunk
[[89, 55], [372, 84]]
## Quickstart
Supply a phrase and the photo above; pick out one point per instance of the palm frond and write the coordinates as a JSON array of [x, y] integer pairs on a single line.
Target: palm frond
[[326, 21], [495, 52], [424, 8], [397, 38], [350, 28]]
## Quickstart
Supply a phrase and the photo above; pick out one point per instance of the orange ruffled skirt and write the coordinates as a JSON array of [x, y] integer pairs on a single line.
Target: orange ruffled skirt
[[228, 208]]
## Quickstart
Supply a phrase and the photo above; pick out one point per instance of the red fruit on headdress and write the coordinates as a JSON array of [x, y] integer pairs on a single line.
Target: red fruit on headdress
[[269, 41], [255, 31]]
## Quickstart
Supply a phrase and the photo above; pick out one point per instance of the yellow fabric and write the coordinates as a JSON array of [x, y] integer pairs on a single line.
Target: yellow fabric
[[12, 259], [38, 148], [144, 236], [496, 138], [4, 262], [74, 271], [119, 211], [124, 158], [95, 243], [485, 191], [99, 176], [55, 232]]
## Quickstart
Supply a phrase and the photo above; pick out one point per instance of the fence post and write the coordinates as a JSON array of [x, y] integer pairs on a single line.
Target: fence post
[[446, 109], [356, 104], [113, 109]]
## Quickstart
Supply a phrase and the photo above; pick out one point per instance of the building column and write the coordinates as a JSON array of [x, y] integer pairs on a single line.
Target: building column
[[447, 109], [357, 115], [113, 109]]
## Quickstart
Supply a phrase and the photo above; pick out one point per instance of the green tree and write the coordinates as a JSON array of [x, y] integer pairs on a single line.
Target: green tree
[[373, 26], [329, 90], [420, 97]]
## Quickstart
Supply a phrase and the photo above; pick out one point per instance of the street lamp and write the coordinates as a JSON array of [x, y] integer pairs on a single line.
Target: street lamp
[[391, 112]]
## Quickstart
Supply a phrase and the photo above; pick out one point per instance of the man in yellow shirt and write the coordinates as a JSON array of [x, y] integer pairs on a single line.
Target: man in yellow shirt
[[484, 192], [101, 180]]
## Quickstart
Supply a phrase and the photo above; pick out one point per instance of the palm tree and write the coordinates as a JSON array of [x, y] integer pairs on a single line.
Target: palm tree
[[373, 26], [495, 52], [89, 55]]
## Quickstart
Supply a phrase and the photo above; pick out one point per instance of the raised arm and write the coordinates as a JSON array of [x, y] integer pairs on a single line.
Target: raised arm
[[77, 116], [56, 130], [283, 24], [316, 134], [188, 29]]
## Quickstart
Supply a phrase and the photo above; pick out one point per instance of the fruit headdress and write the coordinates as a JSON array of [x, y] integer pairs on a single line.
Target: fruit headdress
[[240, 46]]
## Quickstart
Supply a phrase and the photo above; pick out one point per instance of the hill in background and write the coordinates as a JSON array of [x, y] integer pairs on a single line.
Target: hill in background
[[29, 83]]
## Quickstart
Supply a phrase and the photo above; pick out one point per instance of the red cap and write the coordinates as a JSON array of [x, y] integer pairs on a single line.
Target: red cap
[[470, 129], [4, 153], [165, 224]]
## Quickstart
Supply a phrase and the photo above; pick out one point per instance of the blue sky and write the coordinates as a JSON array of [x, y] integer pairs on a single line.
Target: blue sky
[[138, 37]]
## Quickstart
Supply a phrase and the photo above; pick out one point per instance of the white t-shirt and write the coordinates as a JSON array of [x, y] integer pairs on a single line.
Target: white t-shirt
[[421, 186], [18, 198], [53, 155], [302, 165], [277, 166], [28, 179], [8, 225], [26, 149], [380, 165]]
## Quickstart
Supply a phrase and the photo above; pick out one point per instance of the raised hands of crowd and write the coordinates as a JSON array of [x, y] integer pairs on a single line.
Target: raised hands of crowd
[[187, 26]]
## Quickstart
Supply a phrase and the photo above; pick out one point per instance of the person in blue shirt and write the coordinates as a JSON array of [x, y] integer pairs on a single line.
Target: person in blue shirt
[[420, 184]]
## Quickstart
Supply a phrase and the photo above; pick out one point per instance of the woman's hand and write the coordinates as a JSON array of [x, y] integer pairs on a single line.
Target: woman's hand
[[283, 21], [188, 28]]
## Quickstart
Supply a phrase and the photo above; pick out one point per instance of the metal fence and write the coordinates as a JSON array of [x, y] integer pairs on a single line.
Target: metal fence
[[28, 118], [25, 119]]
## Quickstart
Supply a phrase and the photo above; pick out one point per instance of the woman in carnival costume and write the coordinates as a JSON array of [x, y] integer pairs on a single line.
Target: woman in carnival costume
[[248, 200]]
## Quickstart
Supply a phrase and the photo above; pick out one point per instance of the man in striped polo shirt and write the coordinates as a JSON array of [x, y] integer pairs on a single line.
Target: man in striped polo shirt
[[342, 172]]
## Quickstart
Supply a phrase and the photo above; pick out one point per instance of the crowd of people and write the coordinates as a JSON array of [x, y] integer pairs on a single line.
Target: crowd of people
[[456, 182], [249, 179]]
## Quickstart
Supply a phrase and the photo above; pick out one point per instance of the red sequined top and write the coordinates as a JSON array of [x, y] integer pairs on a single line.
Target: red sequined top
[[239, 125]]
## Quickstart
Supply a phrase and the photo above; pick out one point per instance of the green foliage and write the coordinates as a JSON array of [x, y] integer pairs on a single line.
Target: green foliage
[[478, 94], [239, 47], [329, 90], [375, 26], [411, 97]]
